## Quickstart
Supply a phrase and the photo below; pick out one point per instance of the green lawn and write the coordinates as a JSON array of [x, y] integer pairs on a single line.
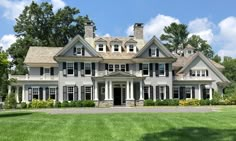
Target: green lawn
[[216, 126]]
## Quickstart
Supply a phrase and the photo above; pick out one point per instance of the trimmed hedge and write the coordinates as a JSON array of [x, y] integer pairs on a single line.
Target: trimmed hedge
[[167, 102], [149, 102]]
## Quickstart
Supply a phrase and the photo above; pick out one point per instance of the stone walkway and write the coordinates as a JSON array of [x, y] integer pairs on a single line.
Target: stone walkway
[[129, 110]]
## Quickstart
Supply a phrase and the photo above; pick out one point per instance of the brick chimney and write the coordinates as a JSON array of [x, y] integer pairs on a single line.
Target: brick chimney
[[138, 30], [89, 30]]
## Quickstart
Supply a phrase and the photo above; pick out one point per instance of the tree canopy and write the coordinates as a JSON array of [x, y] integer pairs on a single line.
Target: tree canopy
[[4, 65], [38, 25], [176, 37]]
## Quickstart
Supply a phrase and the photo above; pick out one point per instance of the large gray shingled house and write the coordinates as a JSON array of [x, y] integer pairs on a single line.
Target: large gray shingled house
[[117, 71]]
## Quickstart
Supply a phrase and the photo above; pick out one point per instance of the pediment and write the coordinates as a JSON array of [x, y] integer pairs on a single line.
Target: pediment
[[120, 74]]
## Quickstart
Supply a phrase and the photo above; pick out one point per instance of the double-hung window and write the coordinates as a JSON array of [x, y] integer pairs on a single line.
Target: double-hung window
[[88, 93], [110, 68], [117, 67], [198, 73], [176, 92], [116, 48], [70, 69], [35, 92], [78, 50], [87, 68], [161, 69], [52, 93], [145, 69], [131, 48], [188, 92], [70, 93], [122, 67], [203, 73], [153, 52], [100, 47], [146, 92]]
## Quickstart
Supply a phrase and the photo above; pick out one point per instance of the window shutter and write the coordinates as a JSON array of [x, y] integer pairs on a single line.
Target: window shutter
[[76, 68], [157, 52], [151, 92], [57, 94], [41, 70], [82, 93], [92, 94], [29, 94], [157, 69], [74, 51], [76, 93], [83, 51], [193, 92], [173, 73], [150, 52], [64, 69], [151, 69], [106, 66], [64, 93], [167, 69], [140, 66], [190, 72], [40, 93], [157, 92], [52, 71], [167, 92], [182, 91], [47, 93], [93, 69], [82, 69], [127, 67], [206, 72]]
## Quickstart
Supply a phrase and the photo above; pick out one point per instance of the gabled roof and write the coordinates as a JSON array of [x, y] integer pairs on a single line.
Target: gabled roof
[[131, 41], [208, 62], [100, 40], [73, 42], [119, 74], [44, 55], [116, 40], [158, 43]]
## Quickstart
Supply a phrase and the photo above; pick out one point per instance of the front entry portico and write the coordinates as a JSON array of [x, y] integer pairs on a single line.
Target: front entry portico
[[119, 94]]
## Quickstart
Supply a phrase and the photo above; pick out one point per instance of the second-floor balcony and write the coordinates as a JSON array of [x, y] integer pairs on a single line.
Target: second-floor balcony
[[34, 77]]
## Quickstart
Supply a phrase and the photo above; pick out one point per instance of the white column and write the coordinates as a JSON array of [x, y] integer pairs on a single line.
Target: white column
[[132, 90], [154, 93], [9, 89], [110, 90], [23, 93], [199, 91], [96, 91], [141, 90], [106, 89], [17, 94], [127, 90], [210, 93], [44, 94], [96, 69]]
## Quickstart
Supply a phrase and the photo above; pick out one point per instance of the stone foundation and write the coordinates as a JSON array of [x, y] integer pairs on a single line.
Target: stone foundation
[[130, 103], [139, 103], [105, 103]]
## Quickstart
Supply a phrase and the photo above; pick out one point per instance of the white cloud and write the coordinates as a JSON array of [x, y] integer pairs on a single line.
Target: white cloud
[[57, 4], [7, 40], [227, 36], [154, 26], [202, 27], [106, 35], [13, 8]]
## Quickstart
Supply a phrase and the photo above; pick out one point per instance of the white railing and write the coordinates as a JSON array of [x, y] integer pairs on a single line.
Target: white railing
[[33, 77], [191, 78]]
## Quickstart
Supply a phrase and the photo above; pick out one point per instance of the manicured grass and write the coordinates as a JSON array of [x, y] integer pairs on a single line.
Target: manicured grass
[[215, 126]]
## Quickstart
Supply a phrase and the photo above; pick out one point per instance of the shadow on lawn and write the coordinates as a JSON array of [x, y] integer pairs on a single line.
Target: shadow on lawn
[[192, 134], [6, 114]]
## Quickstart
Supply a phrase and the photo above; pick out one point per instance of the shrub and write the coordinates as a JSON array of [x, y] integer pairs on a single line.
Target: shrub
[[39, 104], [189, 102], [79, 104], [10, 101], [72, 104], [205, 102], [57, 104], [149, 102], [49, 103], [23, 105], [29, 105], [65, 104], [88, 103]]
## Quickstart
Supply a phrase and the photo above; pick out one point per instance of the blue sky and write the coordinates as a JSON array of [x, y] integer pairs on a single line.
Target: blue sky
[[214, 21]]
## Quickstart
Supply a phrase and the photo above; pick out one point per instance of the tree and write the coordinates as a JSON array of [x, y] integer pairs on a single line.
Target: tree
[[175, 36], [201, 45], [217, 58], [4, 65], [230, 69], [38, 25]]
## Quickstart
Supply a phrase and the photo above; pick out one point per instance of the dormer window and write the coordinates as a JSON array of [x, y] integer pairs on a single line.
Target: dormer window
[[116, 48], [131, 48], [100, 47]]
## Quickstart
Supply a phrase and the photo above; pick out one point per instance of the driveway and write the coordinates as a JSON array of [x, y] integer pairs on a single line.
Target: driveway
[[198, 109]]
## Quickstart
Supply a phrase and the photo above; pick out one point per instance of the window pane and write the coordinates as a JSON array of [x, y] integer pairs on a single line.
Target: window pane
[[145, 89], [100, 47], [122, 67], [153, 51], [70, 68], [131, 48], [79, 50], [145, 69], [188, 92], [52, 93], [46, 70], [203, 72], [35, 93], [176, 92], [161, 69], [110, 67], [198, 72], [117, 67], [88, 93], [87, 67], [116, 47]]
